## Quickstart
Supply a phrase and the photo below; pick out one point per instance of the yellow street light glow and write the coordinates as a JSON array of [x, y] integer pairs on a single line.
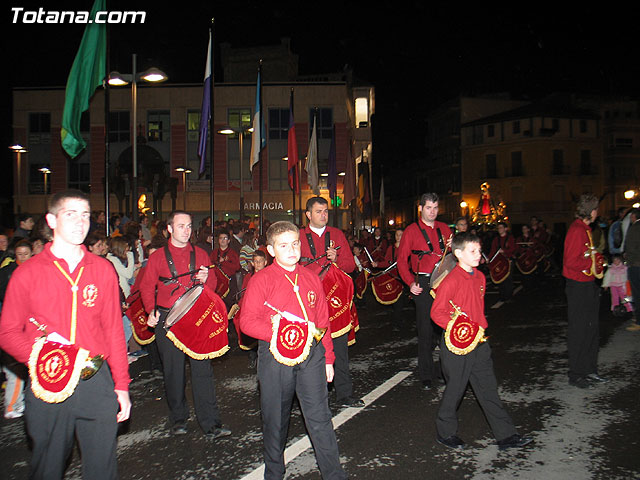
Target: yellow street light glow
[[629, 194], [463, 204]]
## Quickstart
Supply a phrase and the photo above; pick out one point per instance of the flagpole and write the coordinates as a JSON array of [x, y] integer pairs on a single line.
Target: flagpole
[[211, 134], [107, 102], [293, 178], [260, 151], [299, 167]]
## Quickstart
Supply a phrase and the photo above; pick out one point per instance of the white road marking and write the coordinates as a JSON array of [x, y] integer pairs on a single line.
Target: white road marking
[[292, 451], [498, 304]]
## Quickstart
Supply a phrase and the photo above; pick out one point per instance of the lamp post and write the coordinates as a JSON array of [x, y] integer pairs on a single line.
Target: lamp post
[[184, 171], [45, 171], [152, 75], [227, 130], [19, 150]]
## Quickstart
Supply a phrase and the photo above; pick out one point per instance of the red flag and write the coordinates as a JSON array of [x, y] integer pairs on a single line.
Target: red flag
[[292, 152]]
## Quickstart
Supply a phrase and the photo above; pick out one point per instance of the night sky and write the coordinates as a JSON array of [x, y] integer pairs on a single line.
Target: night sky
[[417, 55]]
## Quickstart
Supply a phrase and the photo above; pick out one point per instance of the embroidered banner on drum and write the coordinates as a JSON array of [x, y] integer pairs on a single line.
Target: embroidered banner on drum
[[55, 369], [290, 340], [197, 324], [338, 287]]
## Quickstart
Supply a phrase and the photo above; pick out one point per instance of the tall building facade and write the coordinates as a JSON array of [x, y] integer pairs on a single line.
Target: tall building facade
[[167, 133]]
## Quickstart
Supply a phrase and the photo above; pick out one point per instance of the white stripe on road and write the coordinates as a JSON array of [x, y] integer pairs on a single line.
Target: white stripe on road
[[344, 416], [498, 304]]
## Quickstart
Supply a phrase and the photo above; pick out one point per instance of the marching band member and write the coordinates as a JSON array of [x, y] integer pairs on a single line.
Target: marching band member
[[74, 294], [316, 240], [421, 248], [377, 245], [504, 243], [583, 297], [179, 257], [293, 291], [228, 260], [391, 257], [464, 287]]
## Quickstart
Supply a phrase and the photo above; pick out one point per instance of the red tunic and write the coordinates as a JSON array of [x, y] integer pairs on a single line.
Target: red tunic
[[228, 260], [344, 259], [157, 267], [38, 289], [464, 289], [270, 284], [520, 248], [412, 239], [540, 235], [377, 248], [506, 243], [390, 256], [575, 245]]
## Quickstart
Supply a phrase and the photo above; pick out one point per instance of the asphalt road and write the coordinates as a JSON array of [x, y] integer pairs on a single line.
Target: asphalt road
[[578, 434]]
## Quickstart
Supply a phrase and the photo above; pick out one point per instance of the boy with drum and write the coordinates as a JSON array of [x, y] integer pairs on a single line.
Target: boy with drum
[[465, 355], [286, 310]]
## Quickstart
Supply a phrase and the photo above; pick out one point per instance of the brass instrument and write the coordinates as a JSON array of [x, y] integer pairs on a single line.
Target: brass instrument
[[598, 261]]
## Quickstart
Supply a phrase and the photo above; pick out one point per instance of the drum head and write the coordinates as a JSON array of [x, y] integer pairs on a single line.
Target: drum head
[[182, 305], [445, 266]]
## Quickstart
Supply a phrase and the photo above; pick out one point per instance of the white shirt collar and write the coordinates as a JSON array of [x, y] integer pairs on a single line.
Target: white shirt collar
[[318, 231]]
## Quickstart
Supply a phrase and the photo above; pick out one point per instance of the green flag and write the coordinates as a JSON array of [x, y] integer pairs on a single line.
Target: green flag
[[87, 73]]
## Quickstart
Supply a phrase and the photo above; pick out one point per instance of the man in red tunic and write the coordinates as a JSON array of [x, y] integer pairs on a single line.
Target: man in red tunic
[[421, 247], [184, 257], [317, 240], [583, 297], [75, 294], [292, 290]]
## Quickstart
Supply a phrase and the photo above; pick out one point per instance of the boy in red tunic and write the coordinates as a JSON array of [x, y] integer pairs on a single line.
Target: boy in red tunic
[[292, 290], [465, 287]]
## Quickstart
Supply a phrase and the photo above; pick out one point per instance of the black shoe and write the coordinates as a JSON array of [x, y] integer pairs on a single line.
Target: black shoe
[[514, 441], [595, 378], [426, 384], [581, 382], [217, 432], [179, 428], [453, 441], [351, 402]]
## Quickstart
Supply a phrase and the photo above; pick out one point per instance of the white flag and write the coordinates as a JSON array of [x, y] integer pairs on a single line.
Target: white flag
[[311, 167]]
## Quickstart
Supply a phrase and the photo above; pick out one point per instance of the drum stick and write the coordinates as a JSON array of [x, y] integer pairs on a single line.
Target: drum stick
[[368, 254], [167, 280], [496, 254], [320, 257]]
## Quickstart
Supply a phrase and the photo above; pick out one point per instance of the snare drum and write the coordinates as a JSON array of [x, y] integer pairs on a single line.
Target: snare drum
[[197, 323]]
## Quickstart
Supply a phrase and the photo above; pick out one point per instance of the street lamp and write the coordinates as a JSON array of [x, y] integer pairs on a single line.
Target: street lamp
[[45, 171], [19, 150], [184, 171], [152, 75], [228, 130]]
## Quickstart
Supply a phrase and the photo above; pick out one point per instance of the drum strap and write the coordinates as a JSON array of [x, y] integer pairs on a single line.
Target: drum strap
[[312, 246], [172, 265]]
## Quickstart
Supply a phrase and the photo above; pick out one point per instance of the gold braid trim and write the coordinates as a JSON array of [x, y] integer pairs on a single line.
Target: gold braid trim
[[503, 278], [391, 302], [142, 342], [38, 390], [480, 338], [191, 353]]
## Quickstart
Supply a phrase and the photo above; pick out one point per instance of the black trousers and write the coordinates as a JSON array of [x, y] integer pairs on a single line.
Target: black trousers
[[342, 376], [202, 383], [583, 335], [90, 415], [424, 325], [505, 288], [476, 368], [308, 381]]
